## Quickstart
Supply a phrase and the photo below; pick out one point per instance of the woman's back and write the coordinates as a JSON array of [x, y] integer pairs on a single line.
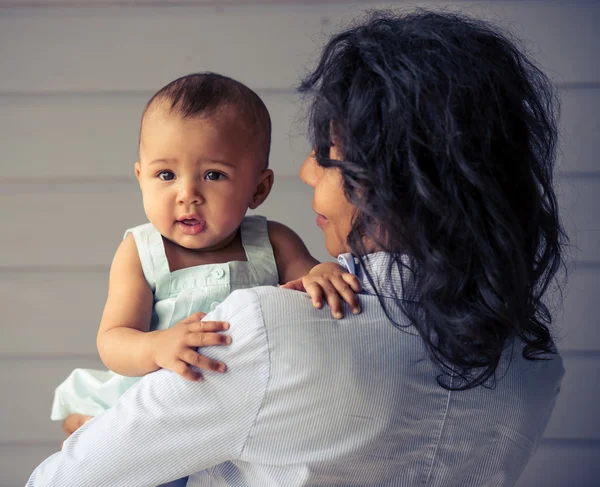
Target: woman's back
[[357, 402]]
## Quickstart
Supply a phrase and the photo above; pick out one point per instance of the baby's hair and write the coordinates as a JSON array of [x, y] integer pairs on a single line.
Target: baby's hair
[[448, 133], [209, 95]]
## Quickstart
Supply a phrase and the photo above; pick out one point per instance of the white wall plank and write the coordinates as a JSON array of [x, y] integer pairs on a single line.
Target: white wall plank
[[575, 415], [83, 136], [51, 314], [578, 323], [580, 126], [579, 201], [83, 224], [117, 48], [26, 416], [84, 227], [17, 462]]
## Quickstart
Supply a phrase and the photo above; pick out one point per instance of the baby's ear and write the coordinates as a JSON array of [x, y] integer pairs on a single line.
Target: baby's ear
[[263, 188], [137, 167]]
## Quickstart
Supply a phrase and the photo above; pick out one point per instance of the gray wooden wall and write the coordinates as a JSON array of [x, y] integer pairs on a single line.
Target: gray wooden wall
[[74, 76]]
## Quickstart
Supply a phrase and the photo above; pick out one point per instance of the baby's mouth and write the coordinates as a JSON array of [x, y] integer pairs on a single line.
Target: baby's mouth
[[191, 226]]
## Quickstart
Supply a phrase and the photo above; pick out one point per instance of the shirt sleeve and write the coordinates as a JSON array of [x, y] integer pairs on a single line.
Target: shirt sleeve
[[166, 427]]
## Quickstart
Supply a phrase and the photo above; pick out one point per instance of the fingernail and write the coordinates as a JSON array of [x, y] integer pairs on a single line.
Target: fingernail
[[225, 326], [356, 310], [338, 315], [221, 368], [228, 340]]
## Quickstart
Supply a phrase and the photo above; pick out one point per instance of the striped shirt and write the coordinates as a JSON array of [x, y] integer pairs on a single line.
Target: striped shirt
[[309, 400]]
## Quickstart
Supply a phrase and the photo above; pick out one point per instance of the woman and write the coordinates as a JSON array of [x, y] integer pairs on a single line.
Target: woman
[[432, 173], [443, 136]]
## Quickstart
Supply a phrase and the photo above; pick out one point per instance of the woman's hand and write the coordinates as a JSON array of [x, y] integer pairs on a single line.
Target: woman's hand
[[332, 282], [175, 348]]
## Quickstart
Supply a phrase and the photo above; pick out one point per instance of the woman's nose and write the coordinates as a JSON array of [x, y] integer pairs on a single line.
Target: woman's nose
[[308, 171]]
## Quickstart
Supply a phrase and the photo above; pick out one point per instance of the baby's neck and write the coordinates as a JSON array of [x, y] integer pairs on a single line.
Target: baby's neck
[[181, 258]]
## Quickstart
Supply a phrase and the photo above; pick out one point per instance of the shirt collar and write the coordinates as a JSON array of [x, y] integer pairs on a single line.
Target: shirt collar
[[390, 283]]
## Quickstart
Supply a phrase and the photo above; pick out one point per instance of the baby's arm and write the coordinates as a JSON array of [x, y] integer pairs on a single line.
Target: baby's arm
[[291, 255], [126, 345], [301, 271]]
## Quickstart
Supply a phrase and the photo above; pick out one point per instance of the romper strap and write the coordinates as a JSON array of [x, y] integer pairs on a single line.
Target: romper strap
[[256, 243], [153, 258]]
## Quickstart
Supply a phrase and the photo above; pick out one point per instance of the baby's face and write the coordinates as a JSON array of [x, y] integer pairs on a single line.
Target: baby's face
[[198, 177]]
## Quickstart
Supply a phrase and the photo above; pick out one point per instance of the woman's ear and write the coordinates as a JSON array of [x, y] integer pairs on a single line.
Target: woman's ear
[[263, 188]]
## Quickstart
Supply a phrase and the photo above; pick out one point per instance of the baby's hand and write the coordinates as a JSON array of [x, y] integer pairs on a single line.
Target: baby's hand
[[331, 281], [175, 348]]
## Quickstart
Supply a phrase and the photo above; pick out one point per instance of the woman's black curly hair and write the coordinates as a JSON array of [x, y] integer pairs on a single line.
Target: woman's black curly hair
[[448, 134]]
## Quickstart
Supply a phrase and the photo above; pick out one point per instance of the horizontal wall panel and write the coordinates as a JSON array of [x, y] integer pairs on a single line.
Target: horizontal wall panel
[[551, 466], [66, 229], [51, 313], [575, 415], [62, 310], [82, 224], [580, 126], [579, 201], [119, 49], [578, 323], [17, 462], [83, 136], [566, 465], [25, 418]]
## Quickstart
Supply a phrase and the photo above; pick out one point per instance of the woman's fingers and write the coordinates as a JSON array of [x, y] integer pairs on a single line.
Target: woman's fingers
[[200, 361]]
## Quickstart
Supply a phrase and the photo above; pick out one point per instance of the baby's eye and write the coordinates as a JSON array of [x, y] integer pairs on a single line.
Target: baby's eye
[[166, 175], [214, 176]]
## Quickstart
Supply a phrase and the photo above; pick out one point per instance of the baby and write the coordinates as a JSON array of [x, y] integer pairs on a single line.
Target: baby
[[203, 162]]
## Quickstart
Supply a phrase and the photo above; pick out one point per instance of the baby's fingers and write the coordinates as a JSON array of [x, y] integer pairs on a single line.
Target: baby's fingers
[[181, 368], [206, 339], [333, 299], [194, 317], [200, 361], [204, 326], [347, 292], [352, 281], [315, 292], [296, 285]]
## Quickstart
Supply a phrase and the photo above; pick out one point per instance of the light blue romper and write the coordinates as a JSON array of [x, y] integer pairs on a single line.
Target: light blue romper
[[177, 295]]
